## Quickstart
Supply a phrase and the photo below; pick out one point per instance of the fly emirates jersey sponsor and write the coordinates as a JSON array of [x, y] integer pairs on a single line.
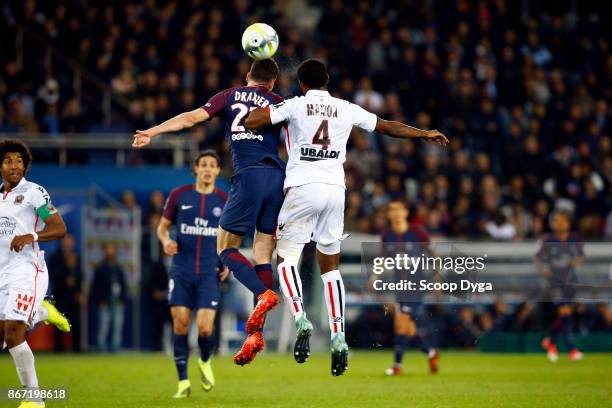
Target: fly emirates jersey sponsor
[[319, 126]]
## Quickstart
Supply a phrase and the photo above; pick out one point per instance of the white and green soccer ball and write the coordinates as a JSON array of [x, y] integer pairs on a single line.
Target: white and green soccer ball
[[260, 41]]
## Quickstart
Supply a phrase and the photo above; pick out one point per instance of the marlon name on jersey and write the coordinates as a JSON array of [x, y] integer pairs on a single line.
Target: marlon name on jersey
[[200, 228], [320, 109]]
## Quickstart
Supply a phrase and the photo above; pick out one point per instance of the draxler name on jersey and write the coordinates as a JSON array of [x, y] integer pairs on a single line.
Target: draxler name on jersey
[[251, 97], [200, 228]]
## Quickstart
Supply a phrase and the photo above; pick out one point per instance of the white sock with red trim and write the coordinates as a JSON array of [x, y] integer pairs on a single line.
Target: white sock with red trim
[[24, 363], [333, 288], [291, 285], [42, 314]]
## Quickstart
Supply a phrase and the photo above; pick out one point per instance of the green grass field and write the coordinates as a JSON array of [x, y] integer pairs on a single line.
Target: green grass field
[[465, 380]]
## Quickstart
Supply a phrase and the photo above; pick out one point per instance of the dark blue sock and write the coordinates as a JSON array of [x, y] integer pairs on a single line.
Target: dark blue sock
[[207, 345], [181, 355], [399, 345], [421, 343], [266, 276], [554, 330], [566, 331], [242, 270]]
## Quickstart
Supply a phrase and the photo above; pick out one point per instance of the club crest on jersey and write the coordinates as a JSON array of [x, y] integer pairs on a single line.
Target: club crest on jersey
[[311, 154], [24, 302], [19, 199], [216, 211]]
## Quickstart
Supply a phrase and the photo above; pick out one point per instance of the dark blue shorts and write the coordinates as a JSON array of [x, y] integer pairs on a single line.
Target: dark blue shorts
[[201, 291], [254, 201]]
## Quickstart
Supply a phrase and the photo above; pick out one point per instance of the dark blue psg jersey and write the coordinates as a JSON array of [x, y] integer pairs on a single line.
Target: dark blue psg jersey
[[414, 242], [249, 149], [196, 218], [559, 256]]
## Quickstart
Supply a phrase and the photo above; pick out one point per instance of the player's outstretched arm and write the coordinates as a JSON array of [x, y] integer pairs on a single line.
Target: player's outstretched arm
[[402, 131], [258, 118], [179, 122], [55, 228]]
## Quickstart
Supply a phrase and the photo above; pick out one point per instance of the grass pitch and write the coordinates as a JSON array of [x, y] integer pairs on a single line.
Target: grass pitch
[[465, 380]]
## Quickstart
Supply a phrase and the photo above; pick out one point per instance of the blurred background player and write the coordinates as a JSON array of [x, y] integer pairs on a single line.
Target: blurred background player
[[404, 325], [256, 194], [23, 273], [110, 297], [319, 126], [196, 272], [560, 254]]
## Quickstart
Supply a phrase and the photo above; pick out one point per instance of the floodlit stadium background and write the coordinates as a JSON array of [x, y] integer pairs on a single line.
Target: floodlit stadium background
[[522, 89]]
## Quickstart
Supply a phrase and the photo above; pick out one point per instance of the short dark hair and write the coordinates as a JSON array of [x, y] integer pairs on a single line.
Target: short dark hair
[[399, 201], [313, 74], [16, 146], [264, 70], [208, 153]]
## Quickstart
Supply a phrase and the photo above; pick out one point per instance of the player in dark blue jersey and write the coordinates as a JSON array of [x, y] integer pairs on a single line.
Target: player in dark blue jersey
[[196, 272], [403, 237], [256, 194], [560, 253]]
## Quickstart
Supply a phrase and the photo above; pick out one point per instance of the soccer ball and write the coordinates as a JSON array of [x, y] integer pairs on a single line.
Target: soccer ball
[[260, 41]]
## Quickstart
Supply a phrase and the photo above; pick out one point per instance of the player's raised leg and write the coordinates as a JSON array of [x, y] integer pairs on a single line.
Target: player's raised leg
[[205, 320], [49, 314], [181, 320], [291, 285], [333, 288], [263, 247]]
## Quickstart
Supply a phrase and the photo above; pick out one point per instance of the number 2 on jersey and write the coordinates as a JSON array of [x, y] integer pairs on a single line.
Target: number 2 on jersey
[[321, 136], [243, 111]]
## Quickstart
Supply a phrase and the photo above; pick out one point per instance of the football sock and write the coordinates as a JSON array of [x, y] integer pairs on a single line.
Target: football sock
[[291, 285], [554, 330], [207, 345], [181, 355], [399, 345], [43, 314], [421, 343], [243, 270], [333, 288], [566, 331], [24, 363], [265, 274]]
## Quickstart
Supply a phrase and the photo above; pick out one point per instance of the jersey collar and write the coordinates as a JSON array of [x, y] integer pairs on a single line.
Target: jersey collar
[[22, 181], [317, 92]]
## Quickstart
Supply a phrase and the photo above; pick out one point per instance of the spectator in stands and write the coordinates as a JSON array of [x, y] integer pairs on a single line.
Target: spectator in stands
[[109, 295], [65, 267]]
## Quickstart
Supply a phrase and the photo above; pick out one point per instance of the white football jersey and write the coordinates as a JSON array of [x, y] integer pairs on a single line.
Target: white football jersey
[[319, 126], [21, 210]]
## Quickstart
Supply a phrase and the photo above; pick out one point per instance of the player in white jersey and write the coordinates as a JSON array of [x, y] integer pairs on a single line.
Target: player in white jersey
[[319, 126], [24, 208]]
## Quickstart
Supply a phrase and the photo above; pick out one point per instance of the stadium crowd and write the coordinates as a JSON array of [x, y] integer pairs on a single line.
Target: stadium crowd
[[522, 92]]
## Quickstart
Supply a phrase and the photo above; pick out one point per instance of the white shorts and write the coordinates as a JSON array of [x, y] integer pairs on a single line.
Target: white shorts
[[22, 290], [313, 212]]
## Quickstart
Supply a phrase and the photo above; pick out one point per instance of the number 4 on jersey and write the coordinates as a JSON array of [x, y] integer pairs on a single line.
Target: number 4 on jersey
[[321, 136]]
